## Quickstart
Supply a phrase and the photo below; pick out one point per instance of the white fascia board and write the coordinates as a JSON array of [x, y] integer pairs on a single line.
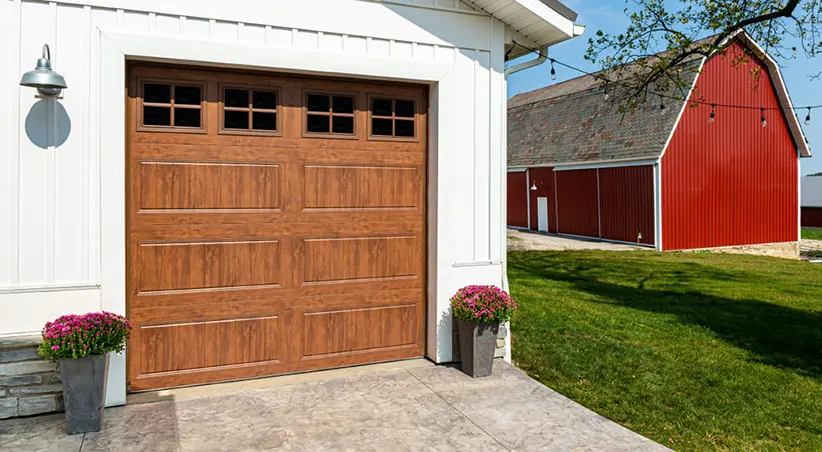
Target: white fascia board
[[682, 109], [603, 164], [549, 15]]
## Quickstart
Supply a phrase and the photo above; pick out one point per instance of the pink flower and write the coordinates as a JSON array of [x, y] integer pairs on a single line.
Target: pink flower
[[55, 347]]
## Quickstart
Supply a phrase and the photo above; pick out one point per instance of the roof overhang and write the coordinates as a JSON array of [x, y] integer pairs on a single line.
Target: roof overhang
[[781, 88], [540, 22]]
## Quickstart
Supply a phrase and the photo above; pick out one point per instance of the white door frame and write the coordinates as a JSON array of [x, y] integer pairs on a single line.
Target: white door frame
[[542, 208], [114, 48]]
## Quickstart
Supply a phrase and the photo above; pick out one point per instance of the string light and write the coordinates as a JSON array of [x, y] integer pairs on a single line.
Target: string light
[[661, 104], [662, 96]]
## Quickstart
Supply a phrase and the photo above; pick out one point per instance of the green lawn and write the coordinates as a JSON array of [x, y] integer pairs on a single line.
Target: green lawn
[[696, 351], [812, 233]]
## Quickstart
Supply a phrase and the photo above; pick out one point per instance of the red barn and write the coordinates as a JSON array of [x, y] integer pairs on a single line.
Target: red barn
[[667, 175]]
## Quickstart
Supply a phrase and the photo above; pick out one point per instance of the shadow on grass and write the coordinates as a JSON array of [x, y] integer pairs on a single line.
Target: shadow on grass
[[777, 335]]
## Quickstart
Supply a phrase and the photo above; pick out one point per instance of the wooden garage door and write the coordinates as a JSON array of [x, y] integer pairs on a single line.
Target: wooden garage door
[[275, 224]]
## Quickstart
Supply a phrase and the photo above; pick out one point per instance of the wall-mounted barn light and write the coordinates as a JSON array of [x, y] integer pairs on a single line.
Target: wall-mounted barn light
[[534, 187], [47, 82]]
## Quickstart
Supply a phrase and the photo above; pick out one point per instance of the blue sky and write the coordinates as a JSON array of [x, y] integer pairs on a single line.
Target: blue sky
[[607, 15]]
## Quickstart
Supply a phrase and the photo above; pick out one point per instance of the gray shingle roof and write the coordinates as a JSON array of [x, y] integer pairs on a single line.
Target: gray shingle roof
[[572, 122]]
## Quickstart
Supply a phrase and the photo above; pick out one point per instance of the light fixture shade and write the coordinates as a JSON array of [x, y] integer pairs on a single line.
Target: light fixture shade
[[534, 187], [47, 82]]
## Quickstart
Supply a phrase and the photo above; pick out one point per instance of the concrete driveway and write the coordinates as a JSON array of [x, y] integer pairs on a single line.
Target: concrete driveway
[[407, 406], [526, 241]]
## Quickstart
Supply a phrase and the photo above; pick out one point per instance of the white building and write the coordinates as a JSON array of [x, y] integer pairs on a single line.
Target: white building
[[811, 201], [260, 186]]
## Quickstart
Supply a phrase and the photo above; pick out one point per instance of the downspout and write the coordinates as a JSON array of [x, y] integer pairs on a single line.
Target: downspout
[[542, 58]]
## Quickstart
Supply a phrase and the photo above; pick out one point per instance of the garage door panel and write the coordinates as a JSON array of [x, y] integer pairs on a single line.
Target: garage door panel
[[352, 330], [353, 187], [271, 219], [274, 154], [224, 306], [355, 259], [208, 265], [176, 347], [257, 251], [165, 232], [205, 185], [256, 144]]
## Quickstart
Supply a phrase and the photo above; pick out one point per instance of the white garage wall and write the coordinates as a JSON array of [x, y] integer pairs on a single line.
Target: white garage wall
[[811, 191], [50, 152]]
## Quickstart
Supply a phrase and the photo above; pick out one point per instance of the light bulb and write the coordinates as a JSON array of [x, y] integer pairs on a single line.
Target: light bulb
[[713, 114], [808, 118]]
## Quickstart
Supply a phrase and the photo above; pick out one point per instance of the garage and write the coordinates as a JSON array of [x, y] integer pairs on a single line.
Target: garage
[[275, 224]]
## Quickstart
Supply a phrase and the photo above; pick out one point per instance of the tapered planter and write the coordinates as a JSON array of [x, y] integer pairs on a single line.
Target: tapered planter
[[84, 392], [478, 342]]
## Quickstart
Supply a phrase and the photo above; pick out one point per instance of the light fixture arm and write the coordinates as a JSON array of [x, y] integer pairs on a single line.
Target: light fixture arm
[[47, 82]]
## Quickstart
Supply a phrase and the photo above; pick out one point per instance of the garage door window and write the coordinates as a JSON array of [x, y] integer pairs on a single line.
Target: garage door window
[[330, 115], [392, 119], [171, 106], [250, 111]]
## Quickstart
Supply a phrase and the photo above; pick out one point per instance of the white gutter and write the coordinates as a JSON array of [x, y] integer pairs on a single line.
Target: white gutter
[[543, 56]]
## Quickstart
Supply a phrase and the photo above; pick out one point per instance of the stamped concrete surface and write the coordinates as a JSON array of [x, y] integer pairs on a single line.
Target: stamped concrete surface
[[417, 408]]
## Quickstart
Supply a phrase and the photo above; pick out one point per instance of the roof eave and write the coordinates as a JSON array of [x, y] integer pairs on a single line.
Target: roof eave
[[538, 23]]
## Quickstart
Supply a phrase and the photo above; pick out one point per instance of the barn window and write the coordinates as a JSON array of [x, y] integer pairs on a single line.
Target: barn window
[[393, 118], [330, 114], [171, 106], [250, 111]]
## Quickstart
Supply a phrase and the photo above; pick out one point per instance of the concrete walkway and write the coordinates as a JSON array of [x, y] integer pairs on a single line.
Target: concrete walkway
[[414, 406]]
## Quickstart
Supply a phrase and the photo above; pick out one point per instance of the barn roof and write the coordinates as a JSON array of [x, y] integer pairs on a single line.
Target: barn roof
[[573, 123]]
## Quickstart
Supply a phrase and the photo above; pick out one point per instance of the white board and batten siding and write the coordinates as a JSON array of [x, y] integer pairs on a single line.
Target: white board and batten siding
[[55, 187]]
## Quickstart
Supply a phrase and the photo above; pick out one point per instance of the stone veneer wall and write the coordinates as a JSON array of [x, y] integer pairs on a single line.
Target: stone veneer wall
[[29, 384]]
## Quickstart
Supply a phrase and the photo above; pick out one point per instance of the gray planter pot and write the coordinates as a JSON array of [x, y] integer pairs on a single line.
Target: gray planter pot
[[84, 392], [478, 342]]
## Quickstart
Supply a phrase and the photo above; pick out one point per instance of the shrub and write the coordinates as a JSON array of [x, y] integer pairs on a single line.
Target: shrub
[[483, 304], [77, 336]]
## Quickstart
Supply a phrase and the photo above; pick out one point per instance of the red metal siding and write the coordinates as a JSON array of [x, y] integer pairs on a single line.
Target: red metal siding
[[812, 217], [730, 182], [517, 200], [577, 204], [543, 178], [627, 203]]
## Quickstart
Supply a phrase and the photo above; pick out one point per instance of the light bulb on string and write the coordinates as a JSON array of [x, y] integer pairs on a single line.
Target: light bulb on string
[[808, 118], [713, 113], [661, 105], [764, 121], [606, 92], [553, 70]]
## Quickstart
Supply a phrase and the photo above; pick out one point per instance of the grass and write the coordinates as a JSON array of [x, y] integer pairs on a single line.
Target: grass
[[812, 233], [697, 351]]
